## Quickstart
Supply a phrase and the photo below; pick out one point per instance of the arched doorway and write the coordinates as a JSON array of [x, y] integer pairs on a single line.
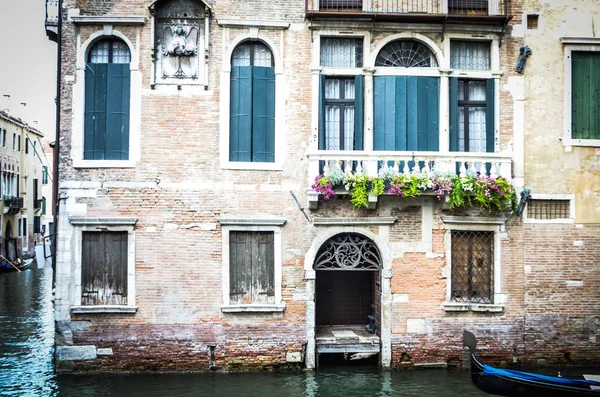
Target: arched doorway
[[348, 297]]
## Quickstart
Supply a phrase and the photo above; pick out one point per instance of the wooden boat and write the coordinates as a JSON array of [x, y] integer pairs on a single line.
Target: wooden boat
[[512, 383], [13, 267]]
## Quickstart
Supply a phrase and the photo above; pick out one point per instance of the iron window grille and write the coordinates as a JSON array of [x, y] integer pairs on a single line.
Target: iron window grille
[[472, 266], [548, 209]]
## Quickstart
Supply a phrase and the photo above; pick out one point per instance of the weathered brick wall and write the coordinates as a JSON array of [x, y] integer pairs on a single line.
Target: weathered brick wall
[[562, 300]]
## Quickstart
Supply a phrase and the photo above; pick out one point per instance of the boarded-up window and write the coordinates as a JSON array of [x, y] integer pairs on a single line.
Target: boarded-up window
[[104, 268], [251, 268], [472, 267]]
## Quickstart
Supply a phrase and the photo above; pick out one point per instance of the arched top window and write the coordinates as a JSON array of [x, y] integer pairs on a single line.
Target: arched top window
[[252, 108], [348, 251], [109, 51], [252, 53], [406, 54]]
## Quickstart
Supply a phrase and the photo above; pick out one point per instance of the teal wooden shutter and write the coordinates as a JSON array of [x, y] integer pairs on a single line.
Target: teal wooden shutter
[[322, 132], [94, 134], [263, 114], [585, 95], [406, 113], [358, 111], [384, 117], [240, 114], [490, 115], [454, 114], [117, 111]]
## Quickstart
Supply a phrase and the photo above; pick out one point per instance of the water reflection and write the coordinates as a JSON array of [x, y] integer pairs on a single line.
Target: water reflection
[[27, 334]]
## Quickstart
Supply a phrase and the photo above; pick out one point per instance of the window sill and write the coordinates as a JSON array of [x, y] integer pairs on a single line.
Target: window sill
[[253, 308], [250, 166], [472, 307], [104, 309], [103, 164], [581, 142]]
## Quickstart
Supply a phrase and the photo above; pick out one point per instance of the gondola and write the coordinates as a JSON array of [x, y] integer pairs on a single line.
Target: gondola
[[13, 267], [512, 383]]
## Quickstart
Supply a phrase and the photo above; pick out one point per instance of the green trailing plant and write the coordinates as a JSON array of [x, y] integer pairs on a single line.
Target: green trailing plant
[[377, 186], [358, 185]]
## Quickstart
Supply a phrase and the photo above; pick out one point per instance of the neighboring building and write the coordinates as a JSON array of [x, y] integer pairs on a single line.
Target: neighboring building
[[20, 186], [189, 129]]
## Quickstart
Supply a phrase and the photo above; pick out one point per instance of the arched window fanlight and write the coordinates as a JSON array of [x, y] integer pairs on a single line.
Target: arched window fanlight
[[348, 251], [406, 54]]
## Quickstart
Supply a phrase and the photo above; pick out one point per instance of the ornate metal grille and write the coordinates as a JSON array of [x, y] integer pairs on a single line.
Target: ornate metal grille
[[548, 209], [348, 251], [406, 54], [472, 267]]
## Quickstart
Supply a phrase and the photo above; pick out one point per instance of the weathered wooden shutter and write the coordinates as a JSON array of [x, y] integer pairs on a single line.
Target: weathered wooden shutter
[[490, 116], [240, 116], [117, 111], [263, 114], [95, 111], [104, 268], [454, 114], [585, 95], [406, 113], [358, 111], [251, 267], [322, 127]]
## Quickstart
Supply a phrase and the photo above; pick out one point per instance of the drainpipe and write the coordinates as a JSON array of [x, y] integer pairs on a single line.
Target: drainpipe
[[55, 194]]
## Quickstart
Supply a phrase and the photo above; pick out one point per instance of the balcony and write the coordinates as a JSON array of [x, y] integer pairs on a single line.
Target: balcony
[[12, 205], [414, 11], [369, 163], [52, 20]]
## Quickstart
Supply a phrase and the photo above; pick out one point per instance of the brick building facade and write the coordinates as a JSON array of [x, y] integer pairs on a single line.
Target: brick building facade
[[190, 237]]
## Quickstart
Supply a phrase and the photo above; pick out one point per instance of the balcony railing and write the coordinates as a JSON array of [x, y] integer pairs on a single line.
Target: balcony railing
[[52, 15], [12, 205], [398, 8], [369, 163]]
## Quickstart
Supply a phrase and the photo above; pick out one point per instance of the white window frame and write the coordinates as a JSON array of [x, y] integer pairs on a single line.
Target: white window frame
[[570, 197], [135, 106], [256, 224], [117, 224], [493, 73], [254, 33], [574, 44], [477, 224]]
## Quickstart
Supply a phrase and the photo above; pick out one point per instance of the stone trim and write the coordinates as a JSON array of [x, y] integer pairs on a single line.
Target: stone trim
[[104, 309], [237, 23], [253, 308], [478, 220], [112, 20], [76, 220], [380, 220], [258, 221], [473, 307]]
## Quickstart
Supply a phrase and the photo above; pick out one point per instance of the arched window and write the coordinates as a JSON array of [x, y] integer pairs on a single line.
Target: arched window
[[252, 109], [107, 99], [406, 107]]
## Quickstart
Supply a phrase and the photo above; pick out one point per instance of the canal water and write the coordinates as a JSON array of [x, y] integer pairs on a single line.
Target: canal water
[[26, 349]]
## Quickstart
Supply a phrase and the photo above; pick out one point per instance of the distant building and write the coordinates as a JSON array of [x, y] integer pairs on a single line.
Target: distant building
[[192, 234], [22, 168]]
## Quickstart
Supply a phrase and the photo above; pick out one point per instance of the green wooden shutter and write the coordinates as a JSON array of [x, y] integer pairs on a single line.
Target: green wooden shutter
[[240, 116], [490, 115], [94, 134], [117, 111], [454, 114], [358, 111], [263, 114], [585, 95], [406, 113], [322, 132], [384, 118]]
